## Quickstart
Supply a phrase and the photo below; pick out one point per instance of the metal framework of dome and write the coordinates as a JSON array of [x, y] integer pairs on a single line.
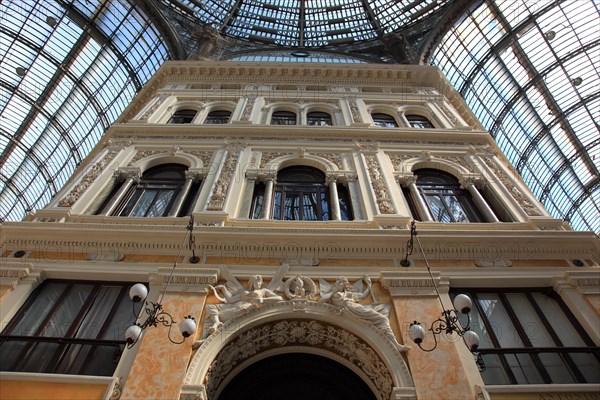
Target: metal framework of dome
[[529, 70]]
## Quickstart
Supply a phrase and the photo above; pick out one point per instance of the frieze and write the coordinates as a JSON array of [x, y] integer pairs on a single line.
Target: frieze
[[94, 172], [379, 187], [525, 203]]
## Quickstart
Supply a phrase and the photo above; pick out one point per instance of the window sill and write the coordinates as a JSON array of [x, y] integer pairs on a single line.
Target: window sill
[[574, 391]]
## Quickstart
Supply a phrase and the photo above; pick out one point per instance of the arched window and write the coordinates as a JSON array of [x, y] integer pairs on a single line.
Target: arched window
[[301, 193], [384, 120], [419, 121], [283, 118], [183, 116], [218, 117], [444, 199], [162, 191], [319, 118]]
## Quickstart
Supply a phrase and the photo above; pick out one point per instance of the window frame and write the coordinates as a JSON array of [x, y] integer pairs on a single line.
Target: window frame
[[218, 115], [520, 330], [450, 188], [384, 120], [421, 121], [185, 119], [284, 188], [67, 344], [283, 116], [319, 116]]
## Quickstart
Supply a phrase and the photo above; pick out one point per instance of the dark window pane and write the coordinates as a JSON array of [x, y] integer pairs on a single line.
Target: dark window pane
[[317, 118], [184, 116], [218, 117], [63, 318], [384, 120], [283, 118], [418, 121], [37, 312]]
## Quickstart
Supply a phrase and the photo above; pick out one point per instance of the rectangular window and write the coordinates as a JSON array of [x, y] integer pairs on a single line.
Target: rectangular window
[[529, 336], [68, 327]]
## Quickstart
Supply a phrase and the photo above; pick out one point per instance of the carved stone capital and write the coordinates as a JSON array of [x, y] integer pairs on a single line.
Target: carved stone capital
[[125, 173], [406, 179], [194, 174]]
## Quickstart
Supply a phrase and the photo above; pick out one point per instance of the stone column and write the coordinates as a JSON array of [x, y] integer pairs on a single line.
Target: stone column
[[128, 176], [422, 209], [334, 202], [268, 199], [190, 178], [158, 370], [455, 374], [482, 205]]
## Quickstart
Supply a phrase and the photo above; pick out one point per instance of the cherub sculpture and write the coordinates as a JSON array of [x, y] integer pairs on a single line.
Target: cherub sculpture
[[346, 297], [238, 300]]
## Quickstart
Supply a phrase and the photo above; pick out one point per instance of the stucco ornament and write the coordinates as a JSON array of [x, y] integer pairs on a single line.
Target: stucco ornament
[[346, 298], [238, 300]]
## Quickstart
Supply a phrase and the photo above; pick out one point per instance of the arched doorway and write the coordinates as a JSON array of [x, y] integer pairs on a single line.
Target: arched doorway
[[296, 376]]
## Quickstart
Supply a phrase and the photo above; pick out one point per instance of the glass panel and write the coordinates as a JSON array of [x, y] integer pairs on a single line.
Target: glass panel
[[159, 207], [324, 206], [455, 209], [36, 313], [523, 368], [588, 365], [532, 325], [494, 373], [292, 206], [493, 309], [10, 353], [277, 206], [63, 318], [556, 368], [141, 208], [122, 319], [103, 360], [438, 209], [564, 329], [39, 359], [310, 209], [97, 314]]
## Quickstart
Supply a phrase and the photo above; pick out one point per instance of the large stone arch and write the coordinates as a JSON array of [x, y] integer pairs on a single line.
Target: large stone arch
[[299, 326]]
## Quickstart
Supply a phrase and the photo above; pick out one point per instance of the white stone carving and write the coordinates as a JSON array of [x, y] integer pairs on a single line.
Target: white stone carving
[[238, 300], [346, 297]]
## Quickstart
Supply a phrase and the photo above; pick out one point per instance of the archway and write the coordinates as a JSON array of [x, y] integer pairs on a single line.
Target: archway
[[296, 376]]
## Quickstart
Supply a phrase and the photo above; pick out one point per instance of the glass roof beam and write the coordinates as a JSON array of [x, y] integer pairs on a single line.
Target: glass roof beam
[[18, 192], [372, 18], [231, 16], [590, 188], [44, 97], [558, 118], [89, 26], [543, 89], [15, 140], [301, 23]]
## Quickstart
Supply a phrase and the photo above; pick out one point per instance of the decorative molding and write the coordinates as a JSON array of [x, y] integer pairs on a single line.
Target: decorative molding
[[246, 113], [399, 159], [525, 203], [193, 392], [310, 333], [93, 173], [184, 279], [143, 154], [156, 103], [380, 189], [267, 157], [217, 200]]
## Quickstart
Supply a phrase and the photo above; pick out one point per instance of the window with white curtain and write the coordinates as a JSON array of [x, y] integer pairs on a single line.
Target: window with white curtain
[[529, 336], [68, 327]]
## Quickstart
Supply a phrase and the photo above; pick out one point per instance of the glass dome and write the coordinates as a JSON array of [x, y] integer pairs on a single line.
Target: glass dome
[[307, 23], [530, 71], [67, 71]]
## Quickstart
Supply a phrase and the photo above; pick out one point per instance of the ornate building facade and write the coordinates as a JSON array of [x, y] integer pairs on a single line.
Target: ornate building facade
[[222, 175]]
